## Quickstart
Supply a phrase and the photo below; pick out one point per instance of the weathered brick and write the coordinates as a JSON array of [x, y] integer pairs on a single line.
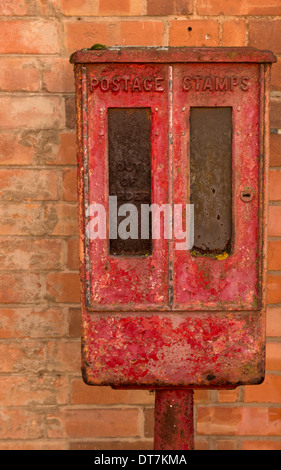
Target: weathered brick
[[63, 287], [275, 112], [58, 75], [86, 33], [261, 445], [38, 112], [21, 358], [232, 7], [19, 288], [274, 255], [14, 7], [73, 253], [13, 151], [29, 37], [274, 222], [273, 321], [69, 185], [169, 7], [28, 185], [234, 33], [275, 149], [239, 421], [33, 219], [33, 390], [113, 444], [142, 33], [268, 392], [33, 322], [102, 422], [75, 322], [274, 185], [265, 36], [273, 356], [273, 289], [194, 33], [276, 75], [64, 356], [30, 254], [82, 394], [21, 424], [17, 74]]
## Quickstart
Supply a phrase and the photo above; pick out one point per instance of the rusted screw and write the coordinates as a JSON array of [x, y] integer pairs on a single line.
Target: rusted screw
[[247, 194]]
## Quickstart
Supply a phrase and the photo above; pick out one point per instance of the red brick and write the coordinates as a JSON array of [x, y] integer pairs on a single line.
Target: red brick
[[113, 444], [273, 289], [79, 8], [34, 220], [149, 422], [41, 144], [275, 112], [234, 33], [73, 253], [69, 185], [265, 35], [21, 358], [33, 322], [14, 8], [74, 322], [17, 74], [111, 7], [273, 321], [232, 7], [34, 445], [141, 33], [169, 7], [228, 396], [21, 424], [38, 112], [30, 254], [273, 356], [220, 420], [67, 151], [102, 422], [275, 149], [58, 75], [28, 185], [19, 288], [203, 33], [274, 223], [33, 390], [268, 392], [63, 287], [82, 394], [13, 151], [86, 33], [29, 37], [226, 444], [64, 357], [261, 445], [274, 255], [275, 185], [276, 75], [239, 421]]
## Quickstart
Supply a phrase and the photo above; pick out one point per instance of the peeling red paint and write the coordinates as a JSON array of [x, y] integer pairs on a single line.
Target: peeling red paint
[[174, 319]]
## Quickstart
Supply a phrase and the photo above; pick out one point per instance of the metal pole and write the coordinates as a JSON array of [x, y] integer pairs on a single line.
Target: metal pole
[[173, 429]]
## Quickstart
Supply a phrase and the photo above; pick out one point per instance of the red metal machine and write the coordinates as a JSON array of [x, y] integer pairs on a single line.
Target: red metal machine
[[172, 127]]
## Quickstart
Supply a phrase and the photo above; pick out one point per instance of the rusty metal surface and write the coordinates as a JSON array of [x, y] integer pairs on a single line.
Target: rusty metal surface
[[129, 167], [211, 178], [173, 413], [173, 54], [172, 318]]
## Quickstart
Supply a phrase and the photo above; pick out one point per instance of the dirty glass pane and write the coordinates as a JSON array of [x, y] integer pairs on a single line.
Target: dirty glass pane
[[129, 158], [211, 178]]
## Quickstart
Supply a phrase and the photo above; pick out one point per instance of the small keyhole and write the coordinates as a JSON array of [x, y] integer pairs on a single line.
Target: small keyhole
[[247, 195]]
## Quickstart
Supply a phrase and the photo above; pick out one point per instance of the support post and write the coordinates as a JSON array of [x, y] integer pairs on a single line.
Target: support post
[[173, 429]]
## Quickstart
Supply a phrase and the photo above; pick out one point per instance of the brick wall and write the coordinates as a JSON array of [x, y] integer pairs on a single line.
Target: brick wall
[[43, 401]]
